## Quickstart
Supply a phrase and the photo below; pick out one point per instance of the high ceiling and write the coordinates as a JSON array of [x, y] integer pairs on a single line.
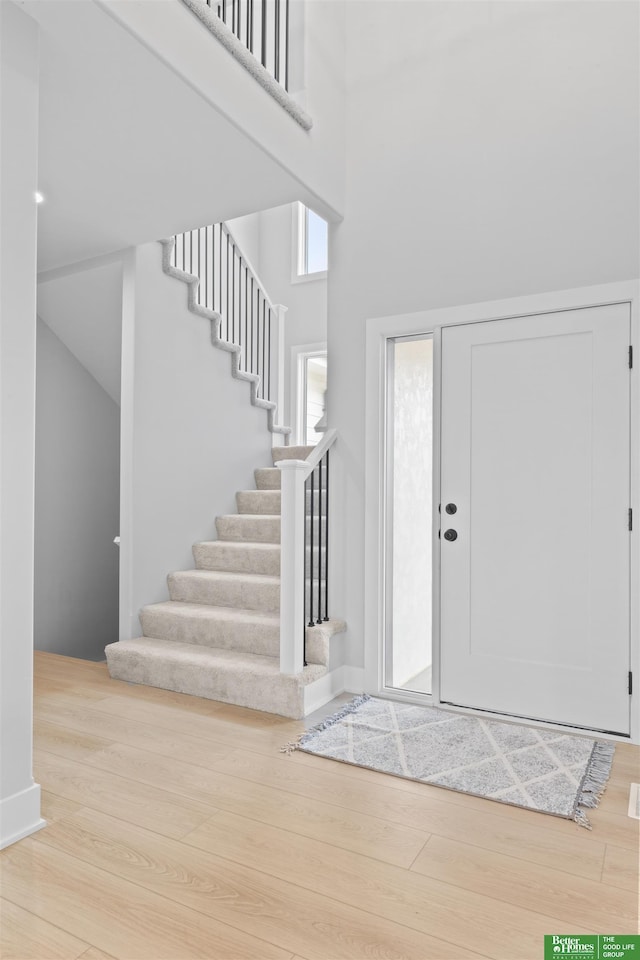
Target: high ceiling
[[130, 152]]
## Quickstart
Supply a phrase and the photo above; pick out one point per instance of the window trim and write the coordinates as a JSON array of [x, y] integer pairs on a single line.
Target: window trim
[[299, 235]]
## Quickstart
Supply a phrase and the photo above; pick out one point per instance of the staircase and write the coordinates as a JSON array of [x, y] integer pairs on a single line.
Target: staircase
[[218, 636]]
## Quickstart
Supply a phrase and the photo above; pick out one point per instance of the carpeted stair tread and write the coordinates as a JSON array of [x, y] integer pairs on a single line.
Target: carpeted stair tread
[[249, 631], [251, 528], [249, 591], [246, 679], [205, 611], [226, 659], [238, 556], [259, 502], [231, 628], [268, 478], [291, 453], [226, 575]]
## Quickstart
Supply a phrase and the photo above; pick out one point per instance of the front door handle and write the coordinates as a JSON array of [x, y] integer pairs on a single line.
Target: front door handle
[[450, 535]]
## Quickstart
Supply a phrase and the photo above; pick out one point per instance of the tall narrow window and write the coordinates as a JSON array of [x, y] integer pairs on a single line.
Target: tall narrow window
[[409, 514], [312, 243]]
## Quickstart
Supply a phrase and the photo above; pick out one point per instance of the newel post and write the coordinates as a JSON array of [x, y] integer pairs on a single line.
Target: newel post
[[292, 565]]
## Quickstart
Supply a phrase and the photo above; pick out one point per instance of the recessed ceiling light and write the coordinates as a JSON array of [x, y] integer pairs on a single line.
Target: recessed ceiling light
[[38, 197]]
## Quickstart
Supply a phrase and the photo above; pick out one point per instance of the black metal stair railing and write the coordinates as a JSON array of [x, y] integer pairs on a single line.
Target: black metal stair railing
[[263, 27], [305, 558], [229, 287], [316, 601]]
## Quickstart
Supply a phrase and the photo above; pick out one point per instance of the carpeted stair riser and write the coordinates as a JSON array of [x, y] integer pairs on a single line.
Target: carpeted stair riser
[[290, 453], [246, 631], [259, 502], [244, 591], [227, 555], [316, 647], [267, 478], [249, 528], [226, 628], [243, 679], [268, 502], [318, 640]]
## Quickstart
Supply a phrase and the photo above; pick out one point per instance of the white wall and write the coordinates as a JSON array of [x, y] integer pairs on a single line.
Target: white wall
[[246, 231], [167, 131], [19, 795], [492, 150], [306, 302], [77, 505], [267, 239], [190, 437], [83, 306]]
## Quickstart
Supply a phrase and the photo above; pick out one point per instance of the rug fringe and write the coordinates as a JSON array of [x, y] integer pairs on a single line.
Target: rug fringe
[[348, 708], [595, 781]]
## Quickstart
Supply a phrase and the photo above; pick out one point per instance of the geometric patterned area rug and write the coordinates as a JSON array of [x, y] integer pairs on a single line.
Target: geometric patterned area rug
[[554, 773]]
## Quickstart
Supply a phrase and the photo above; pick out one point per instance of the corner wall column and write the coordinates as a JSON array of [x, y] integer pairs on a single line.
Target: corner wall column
[[19, 795]]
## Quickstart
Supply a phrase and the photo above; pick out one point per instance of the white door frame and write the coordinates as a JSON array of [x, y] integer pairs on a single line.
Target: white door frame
[[299, 356], [379, 330]]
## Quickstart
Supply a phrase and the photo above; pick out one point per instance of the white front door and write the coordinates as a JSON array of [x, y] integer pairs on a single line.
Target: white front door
[[535, 558]]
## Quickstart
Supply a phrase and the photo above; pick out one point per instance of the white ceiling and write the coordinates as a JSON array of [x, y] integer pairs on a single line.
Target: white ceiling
[[128, 151], [84, 309]]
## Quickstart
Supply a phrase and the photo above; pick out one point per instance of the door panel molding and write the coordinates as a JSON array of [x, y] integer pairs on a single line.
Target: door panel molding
[[535, 592]]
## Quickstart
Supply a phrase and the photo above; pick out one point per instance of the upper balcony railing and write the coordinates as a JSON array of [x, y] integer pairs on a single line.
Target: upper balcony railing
[[263, 27], [258, 33]]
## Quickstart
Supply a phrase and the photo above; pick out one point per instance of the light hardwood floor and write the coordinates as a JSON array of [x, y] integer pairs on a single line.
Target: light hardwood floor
[[178, 829]]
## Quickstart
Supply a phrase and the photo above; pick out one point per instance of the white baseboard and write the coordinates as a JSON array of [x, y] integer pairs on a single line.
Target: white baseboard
[[321, 691], [354, 679], [342, 679], [20, 815]]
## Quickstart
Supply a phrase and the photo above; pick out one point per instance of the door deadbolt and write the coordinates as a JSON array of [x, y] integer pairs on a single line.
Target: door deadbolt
[[451, 508], [450, 535]]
